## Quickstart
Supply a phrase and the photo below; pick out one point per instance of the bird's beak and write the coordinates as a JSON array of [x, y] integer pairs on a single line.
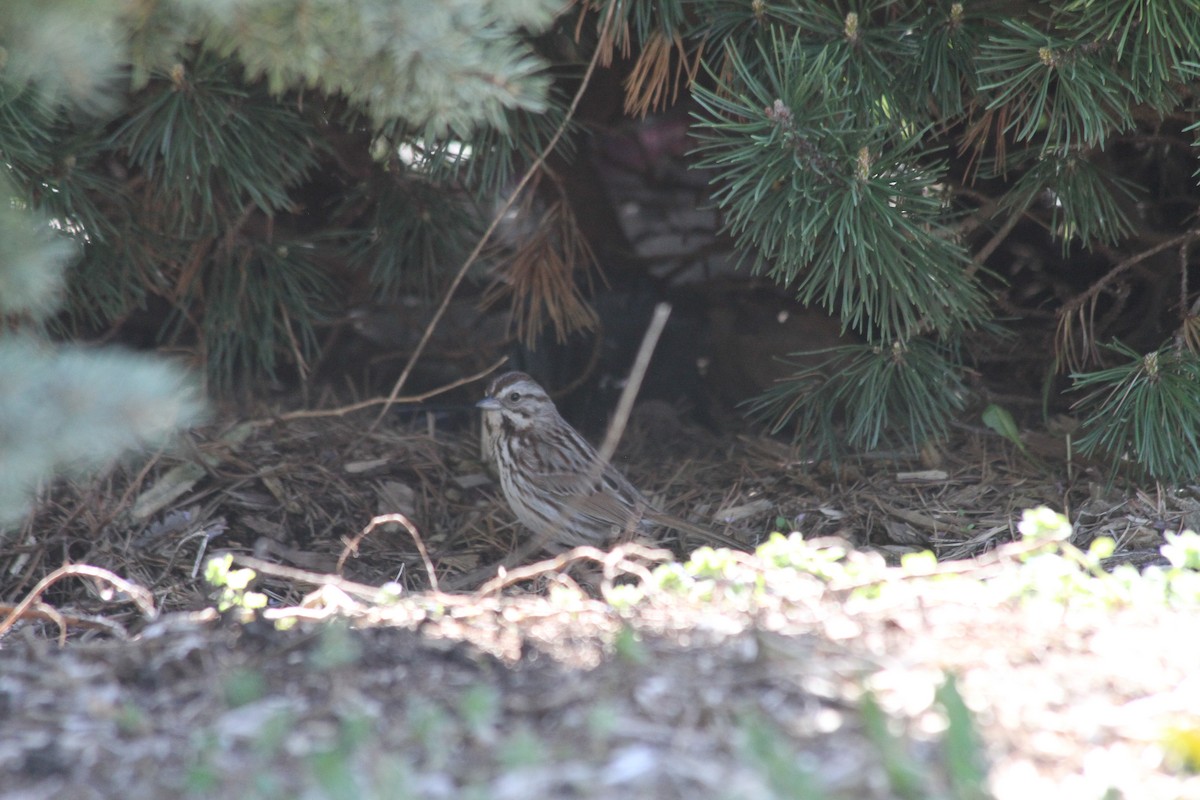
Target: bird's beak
[[489, 404]]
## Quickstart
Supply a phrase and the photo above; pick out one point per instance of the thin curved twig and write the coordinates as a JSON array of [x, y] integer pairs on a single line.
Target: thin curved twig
[[374, 401], [399, 519], [1076, 305], [617, 559], [140, 596]]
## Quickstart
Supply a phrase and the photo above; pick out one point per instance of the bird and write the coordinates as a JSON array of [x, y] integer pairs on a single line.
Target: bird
[[556, 483]]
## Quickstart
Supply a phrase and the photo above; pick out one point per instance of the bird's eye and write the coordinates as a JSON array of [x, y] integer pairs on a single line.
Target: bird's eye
[[514, 397]]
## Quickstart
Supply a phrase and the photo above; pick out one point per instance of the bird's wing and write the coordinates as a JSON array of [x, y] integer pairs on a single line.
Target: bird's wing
[[608, 498], [558, 470]]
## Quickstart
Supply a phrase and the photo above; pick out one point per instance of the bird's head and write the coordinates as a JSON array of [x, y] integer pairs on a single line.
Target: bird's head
[[518, 401]]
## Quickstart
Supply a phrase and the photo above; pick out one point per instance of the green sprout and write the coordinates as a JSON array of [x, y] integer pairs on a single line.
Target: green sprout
[[232, 585]]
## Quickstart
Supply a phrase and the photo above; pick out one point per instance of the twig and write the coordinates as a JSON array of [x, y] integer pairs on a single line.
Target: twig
[[625, 404], [375, 401], [1065, 331], [399, 519], [487, 234], [986, 251], [618, 557], [618, 564], [297, 352], [64, 621], [362, 590], [140, 596], [530, 547], [1077, 302]]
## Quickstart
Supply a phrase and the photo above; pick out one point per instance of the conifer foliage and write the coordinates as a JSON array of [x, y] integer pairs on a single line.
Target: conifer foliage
[[62, 408], [155, 152], [872, 156], [234, 162]]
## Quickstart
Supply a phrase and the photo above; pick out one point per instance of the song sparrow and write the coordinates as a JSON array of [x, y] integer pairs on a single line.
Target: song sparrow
[[556, 483]]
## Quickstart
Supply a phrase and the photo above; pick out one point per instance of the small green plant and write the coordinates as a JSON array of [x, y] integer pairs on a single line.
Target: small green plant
[[337, 646], [904, 772], [520, 748], [962, 747], [242, 686], [1045, 566], [1182, 550], [629, 647], [1001, 421], [766, 747], [232, 586], [624, 595], [961, 752], [202, 777], [1044, 524], [333, 765], [434, 732], [1064, 573], [959, 756], [481, 707], [794, 552]]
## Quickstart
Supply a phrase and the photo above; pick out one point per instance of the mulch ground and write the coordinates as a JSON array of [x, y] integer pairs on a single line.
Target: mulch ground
[[540, 687]]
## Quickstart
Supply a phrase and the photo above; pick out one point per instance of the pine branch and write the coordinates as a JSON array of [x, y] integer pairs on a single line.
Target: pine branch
[[546, 276], [1146, 406], [843, 208]]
